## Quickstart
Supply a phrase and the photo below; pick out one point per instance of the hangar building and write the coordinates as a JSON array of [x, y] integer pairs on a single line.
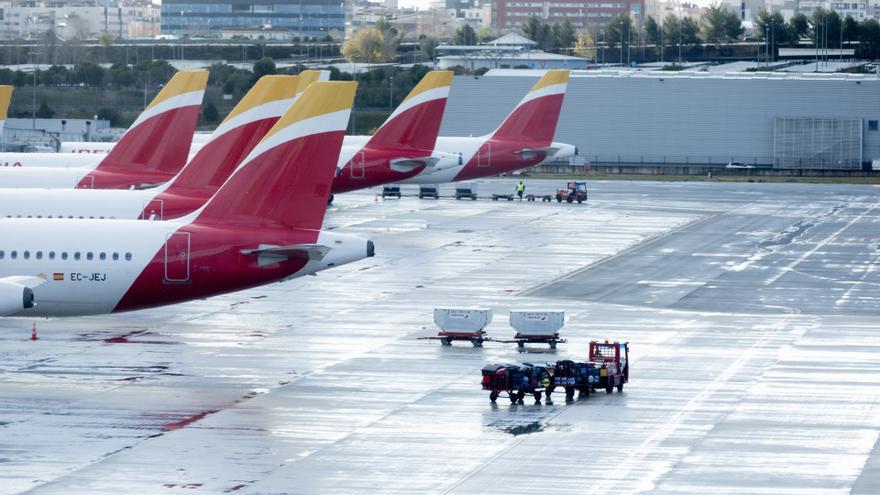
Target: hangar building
[[796, 121]]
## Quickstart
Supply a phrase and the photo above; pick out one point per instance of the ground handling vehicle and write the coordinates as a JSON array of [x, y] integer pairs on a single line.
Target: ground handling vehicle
[[537, 327], [391, 191], [536, 379], [429, 191], [465, 190], [461, 324], [573, 376], [612, 361], [505, 379], [574, 191]]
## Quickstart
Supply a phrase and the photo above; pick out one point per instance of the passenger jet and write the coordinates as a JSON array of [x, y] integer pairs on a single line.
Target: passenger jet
[[262, 226]]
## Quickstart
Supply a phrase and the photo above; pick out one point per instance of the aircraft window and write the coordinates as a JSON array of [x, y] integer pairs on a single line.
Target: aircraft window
[[127, 256], [51, 255], [115, 256], [2, 254], [102, 256], [89, 256], [39, 255], [13, 255], [64, 255], [26, 255], [76, 256], [39, 216]]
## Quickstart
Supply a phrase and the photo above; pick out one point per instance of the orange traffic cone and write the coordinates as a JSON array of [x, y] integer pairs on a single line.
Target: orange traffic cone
[[34, 332]]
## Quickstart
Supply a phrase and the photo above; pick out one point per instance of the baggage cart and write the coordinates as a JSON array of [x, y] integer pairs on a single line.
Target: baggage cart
[[573, 377], [429, 191], [533, 327], [465, 190], [391, 191], [461, 324], [504, 379]]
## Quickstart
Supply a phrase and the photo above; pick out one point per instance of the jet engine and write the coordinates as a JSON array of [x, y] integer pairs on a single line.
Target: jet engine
[[14, 297]]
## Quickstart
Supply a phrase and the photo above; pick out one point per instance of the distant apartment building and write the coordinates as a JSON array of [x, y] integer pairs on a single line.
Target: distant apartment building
[[745, 9], [857, 9], [659, 9], [78, 19], [313, 18], [511, 13]]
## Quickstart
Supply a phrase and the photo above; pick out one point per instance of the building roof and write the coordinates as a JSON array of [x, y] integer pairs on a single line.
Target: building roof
[[512, 39]]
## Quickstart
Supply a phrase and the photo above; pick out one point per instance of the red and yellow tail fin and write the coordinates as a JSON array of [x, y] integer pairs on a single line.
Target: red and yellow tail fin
[[416, 121], [286, 179], [534, 118]]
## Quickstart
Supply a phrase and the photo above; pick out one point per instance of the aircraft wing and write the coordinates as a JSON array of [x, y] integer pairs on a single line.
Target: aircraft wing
[[533, 152], [267, 255], [27, 281], [409, 164]]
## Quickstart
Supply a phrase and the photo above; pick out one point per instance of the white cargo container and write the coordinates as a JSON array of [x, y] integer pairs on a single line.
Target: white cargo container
[[470, 321], [537, 327]]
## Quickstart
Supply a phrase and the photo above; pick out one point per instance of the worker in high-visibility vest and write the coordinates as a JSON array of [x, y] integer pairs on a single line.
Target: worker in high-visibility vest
[[520, 189]]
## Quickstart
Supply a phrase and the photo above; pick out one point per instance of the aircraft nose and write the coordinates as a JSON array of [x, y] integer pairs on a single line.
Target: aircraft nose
[[371, 249]]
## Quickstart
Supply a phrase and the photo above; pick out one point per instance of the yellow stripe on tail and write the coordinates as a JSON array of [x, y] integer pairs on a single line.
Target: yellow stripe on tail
[[182, 82], [432, 80], [267, 88], [307, 77], [318, 99], [5, 98], [550, 78]]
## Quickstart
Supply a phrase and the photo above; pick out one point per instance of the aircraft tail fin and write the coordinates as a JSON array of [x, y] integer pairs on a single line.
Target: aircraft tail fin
[[415, 123], [5, 98], [160, 138], [534, 118], [286, 179]]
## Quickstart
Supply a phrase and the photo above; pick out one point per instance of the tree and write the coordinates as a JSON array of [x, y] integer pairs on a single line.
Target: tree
[[210, 115], [652, 32], [799, 26], [690, 32], [585, 47], [869, 38], [671, 31], [618, 31], [486, 33], [531, 28], [720, 25], [367, 46], [427, 45], [565, 35], [850, 29], [44, 112], [771, 27], [465, 35], [264, 67]]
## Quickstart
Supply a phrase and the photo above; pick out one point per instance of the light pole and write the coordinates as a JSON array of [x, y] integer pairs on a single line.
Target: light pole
[[33, 58]]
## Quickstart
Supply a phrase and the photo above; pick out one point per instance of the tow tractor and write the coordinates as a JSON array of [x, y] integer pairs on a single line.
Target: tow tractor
[[574, 191], [612, 361]]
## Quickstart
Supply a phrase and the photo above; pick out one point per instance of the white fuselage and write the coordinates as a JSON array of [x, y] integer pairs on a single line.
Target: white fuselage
[[96, 262]]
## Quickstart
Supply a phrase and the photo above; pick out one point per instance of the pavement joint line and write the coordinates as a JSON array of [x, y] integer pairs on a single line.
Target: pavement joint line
[[669, 426], [647, 242], [821, 244]]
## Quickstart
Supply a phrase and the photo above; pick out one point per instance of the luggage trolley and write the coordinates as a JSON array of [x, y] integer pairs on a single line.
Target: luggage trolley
[[461, 324], [504, 379], [537, 327]]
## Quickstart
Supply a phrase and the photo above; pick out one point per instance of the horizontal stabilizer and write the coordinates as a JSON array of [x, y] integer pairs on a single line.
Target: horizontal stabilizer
[[408, 164], [533, 152], [267, 255]]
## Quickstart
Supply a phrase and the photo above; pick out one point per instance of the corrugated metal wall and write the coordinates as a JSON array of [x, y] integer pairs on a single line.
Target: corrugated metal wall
[[673, 120]]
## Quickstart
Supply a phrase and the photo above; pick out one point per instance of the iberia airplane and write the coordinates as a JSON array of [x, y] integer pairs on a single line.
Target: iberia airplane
[[262, 226], [151, 151], [524, 139], [230, 143], [199, 138], [5, 98], [405, 141]]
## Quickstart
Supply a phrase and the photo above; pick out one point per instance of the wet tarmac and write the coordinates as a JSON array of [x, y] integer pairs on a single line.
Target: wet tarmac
[[751, 309]]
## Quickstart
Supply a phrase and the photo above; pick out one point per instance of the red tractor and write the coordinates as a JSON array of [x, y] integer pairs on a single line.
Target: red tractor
[[611, 359], [574, 191]]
